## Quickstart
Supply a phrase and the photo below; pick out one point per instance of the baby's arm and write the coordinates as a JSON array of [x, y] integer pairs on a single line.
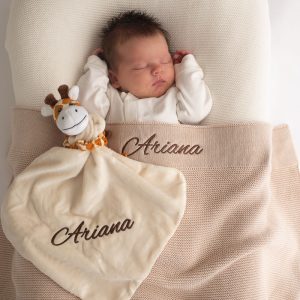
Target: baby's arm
[[93, 86], [194, 98]]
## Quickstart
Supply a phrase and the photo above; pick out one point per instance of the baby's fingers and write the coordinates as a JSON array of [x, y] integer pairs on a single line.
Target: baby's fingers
[[183, 52], [97, 51], [176, 58]]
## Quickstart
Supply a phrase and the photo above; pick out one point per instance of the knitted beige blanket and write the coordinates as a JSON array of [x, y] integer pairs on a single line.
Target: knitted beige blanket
[[239, 237]]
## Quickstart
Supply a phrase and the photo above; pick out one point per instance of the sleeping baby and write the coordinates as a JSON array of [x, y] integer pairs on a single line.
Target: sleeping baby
[[135, 78]]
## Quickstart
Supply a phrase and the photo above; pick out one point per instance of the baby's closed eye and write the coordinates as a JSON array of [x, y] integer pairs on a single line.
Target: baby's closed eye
[[140, 67]]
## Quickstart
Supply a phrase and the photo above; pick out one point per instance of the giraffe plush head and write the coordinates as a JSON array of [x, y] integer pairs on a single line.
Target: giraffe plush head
[[69, 116]]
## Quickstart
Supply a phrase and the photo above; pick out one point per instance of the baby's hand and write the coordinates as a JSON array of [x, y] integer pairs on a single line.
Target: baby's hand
[[179, 55], [98, 52]]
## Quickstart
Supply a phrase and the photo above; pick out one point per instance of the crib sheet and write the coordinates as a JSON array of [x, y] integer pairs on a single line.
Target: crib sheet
[[239, 237]]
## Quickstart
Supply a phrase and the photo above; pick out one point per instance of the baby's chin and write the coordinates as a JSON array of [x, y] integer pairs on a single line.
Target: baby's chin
[[159, 94]]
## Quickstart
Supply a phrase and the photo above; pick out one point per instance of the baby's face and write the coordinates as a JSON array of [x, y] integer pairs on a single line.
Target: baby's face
[[144, 68]]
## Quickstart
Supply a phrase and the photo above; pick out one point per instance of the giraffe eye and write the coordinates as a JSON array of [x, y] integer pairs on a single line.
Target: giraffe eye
[[59, 110], [76, 110]]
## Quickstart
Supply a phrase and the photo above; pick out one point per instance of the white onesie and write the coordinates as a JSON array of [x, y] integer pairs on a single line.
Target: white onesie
[[188, 101]]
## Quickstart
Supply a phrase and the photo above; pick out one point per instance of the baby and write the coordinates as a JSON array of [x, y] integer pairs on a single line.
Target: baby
[[134, 78]]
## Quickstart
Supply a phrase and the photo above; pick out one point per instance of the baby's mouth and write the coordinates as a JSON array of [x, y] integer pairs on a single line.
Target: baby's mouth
[[158, 82]]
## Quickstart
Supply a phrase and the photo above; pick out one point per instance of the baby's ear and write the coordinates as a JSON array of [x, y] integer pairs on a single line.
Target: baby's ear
[[113, 79]]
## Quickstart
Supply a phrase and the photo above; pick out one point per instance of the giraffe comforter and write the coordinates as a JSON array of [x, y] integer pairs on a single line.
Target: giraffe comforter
[[93, 221]]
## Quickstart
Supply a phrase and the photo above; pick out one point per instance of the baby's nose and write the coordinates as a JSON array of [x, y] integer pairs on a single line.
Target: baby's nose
[[156, 70]]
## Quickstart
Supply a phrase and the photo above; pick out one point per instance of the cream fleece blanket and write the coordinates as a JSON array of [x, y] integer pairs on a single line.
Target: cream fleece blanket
[[239, 237], [93, 221]]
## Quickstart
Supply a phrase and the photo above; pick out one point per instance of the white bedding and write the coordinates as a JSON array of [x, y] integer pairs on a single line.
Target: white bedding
[[48, 42]]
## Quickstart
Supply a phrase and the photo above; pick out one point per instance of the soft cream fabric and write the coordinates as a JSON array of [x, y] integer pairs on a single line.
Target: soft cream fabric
[[48, 42], [239, 238], [64, 192]]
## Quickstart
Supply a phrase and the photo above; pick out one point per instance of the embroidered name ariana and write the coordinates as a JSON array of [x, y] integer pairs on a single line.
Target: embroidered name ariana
[[156, 147], [64, 235]]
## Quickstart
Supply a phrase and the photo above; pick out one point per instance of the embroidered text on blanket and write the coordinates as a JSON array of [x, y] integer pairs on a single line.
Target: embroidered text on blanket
[[151, 145], [96, 233]]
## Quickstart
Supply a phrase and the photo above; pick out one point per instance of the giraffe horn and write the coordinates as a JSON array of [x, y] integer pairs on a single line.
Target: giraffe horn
[[63, 91], [50, 100]]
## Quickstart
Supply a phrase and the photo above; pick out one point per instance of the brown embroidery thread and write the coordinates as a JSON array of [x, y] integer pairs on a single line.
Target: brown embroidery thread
[[96, 233], [156, 147]]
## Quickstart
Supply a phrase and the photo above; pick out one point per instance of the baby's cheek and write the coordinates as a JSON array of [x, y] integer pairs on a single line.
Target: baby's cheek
[[171, 76], [142, 78]]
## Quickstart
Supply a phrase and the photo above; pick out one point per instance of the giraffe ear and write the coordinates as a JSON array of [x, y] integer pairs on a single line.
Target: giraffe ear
[[74, 92], [46, 111]]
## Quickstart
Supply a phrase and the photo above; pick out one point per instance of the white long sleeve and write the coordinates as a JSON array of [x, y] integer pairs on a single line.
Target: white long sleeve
[[93, 86], [188, 102], [194, 98]]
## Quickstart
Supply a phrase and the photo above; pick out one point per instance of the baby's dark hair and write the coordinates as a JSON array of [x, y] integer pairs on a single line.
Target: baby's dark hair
[[124, 26]]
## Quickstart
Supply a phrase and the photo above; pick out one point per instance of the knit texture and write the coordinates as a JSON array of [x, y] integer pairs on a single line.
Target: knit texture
[[239, 237], [48, 43]]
